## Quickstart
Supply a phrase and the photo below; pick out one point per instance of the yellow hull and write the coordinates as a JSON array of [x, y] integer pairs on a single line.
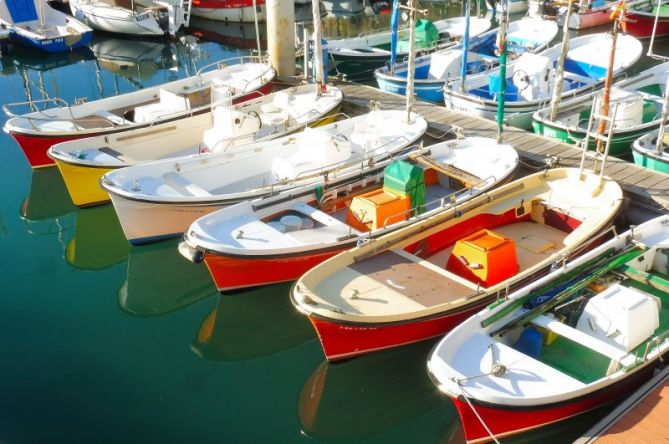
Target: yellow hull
[[83, 184]]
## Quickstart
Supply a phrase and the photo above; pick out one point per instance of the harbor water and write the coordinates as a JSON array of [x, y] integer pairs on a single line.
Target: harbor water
[[106, 342]]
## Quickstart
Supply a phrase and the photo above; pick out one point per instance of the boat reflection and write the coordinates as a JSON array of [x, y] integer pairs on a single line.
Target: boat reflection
[[22, 58], [251, 324], [160, 281], [48, 197], [98, 241], [367, 396], [235, 34]]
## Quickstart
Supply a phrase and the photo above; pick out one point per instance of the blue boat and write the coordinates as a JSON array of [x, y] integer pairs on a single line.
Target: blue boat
[[434, 70], [35, 24]]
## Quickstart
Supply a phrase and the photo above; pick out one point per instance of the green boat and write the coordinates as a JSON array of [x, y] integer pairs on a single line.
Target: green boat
[[645, 153], [358, 57], [639, 98]]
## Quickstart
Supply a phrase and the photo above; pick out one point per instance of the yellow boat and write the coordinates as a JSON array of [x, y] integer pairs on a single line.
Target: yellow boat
[[83, 162]]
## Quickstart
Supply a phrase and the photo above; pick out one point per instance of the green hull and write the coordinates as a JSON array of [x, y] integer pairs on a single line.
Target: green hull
[[356, 68], [650, 162], [620, 143]]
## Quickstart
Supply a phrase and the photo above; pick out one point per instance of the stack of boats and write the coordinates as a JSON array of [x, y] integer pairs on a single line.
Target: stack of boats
[[391, 242]]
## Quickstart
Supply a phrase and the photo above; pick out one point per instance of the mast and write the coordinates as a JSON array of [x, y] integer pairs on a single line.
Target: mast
[[318, 52], [255, 18], [412, 54], [502, 70], [465, 50], [559, 75], [665, 107], [394, 25]]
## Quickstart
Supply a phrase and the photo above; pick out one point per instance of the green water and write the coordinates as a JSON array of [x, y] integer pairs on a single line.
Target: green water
[[102, 342]]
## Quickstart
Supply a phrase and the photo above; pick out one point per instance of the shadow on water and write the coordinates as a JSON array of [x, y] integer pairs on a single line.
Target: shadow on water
[[252, 324], [160, 280], [48, 197]]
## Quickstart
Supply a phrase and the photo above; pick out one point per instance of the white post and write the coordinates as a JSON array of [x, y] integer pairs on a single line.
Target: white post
[[255, 18], [318, 51], [281, 36]]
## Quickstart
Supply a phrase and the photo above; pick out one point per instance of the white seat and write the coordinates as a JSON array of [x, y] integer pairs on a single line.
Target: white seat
[[169, 103]]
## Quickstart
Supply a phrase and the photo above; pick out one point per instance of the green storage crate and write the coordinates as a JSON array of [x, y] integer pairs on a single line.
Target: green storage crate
[[427, 36], [404, 178]]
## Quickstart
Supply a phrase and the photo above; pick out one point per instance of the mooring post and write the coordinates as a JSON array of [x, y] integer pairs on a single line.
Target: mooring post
[[281, 36]]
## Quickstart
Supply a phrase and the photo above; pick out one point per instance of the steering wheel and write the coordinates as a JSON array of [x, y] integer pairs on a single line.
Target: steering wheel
[[521, 79]]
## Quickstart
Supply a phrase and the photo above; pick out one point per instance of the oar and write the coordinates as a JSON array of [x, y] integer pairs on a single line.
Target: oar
[[614, 262]]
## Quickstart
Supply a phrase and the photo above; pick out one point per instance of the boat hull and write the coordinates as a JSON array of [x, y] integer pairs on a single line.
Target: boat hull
[[588, 19], [213, 10], [342, 340], [230, 273], [117, 20], [58, 44], [510, 420], [640, 24], [35, 146], [83, 184], [643, 154], [428, 91]]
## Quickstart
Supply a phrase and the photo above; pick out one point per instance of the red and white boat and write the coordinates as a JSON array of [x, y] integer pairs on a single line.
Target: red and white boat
[[586, 14], [639, 19], [153, 109], [421, 281], [237, 241], [230, 10], [586, 335]]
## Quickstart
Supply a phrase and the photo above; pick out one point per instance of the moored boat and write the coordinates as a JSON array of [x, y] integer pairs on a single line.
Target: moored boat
[[83, 162], [435, 69], [421, 281], [358, 57], [239, 240], [230, 10], [586, 14], [161, 199], [149, 108], [586, 335], [639, 19], [639, 100], [647, 152], [36, 24], [531, 78]]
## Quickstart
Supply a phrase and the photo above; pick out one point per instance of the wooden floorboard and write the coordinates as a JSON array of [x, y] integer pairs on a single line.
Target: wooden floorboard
[[639, 184]]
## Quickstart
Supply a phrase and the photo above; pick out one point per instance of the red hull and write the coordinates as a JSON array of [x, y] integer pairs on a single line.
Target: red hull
[[504, 421], [342, 341], [226, 4], [35, 147], [231, 273], [641, 25]]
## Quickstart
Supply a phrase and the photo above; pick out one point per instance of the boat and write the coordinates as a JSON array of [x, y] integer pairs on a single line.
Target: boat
[[150, 108], [343, 8], [530, 79], [514, 6], [647, 152], [358, 57], [435, 69], [585, 336], [230, 10], [36, 24], [82, 162], [161, 199], [639, 100], [586, 14], [639, 19], [129, 17], [421, 281], [238, 240]]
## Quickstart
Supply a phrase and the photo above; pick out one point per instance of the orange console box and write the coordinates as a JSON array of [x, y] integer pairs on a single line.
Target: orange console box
[[377, 208], [484, 257]]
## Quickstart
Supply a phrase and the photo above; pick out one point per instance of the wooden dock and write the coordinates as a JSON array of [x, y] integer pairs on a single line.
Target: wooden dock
[[646, 189], [640, 418]]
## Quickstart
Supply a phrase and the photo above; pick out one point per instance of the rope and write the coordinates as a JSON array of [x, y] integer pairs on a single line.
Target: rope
[[471, 406]]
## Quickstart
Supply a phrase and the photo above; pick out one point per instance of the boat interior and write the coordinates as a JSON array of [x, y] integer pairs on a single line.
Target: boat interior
[[599, 321]]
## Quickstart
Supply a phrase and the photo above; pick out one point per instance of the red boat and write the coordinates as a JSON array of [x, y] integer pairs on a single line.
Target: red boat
[[584, 336], [230, 10], [151, 109], [420, 281], [640, 20]]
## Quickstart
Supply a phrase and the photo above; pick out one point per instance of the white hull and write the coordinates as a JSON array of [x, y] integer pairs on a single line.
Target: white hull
[[103, 17], [246, 14]]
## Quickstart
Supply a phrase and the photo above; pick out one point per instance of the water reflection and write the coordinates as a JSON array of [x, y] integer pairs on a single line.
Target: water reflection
[[48, 197], [160, 281], [370, 395], [21, 57], [98, 241], [251, 324]]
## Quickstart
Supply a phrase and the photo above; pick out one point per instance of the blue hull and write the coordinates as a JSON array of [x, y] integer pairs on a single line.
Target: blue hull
[[428, 91], [59, 44]]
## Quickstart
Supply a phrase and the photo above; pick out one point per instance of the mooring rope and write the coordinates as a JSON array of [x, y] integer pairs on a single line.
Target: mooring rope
[[471, 406]]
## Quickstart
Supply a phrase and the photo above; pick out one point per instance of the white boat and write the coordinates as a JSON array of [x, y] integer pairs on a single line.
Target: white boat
[[437, 68], [161, 199], [445, 175], [128, 17], [586, 335], [36, 24], [530, 78], [82, 162], [230, 10], [36, 131], [587, 14]]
